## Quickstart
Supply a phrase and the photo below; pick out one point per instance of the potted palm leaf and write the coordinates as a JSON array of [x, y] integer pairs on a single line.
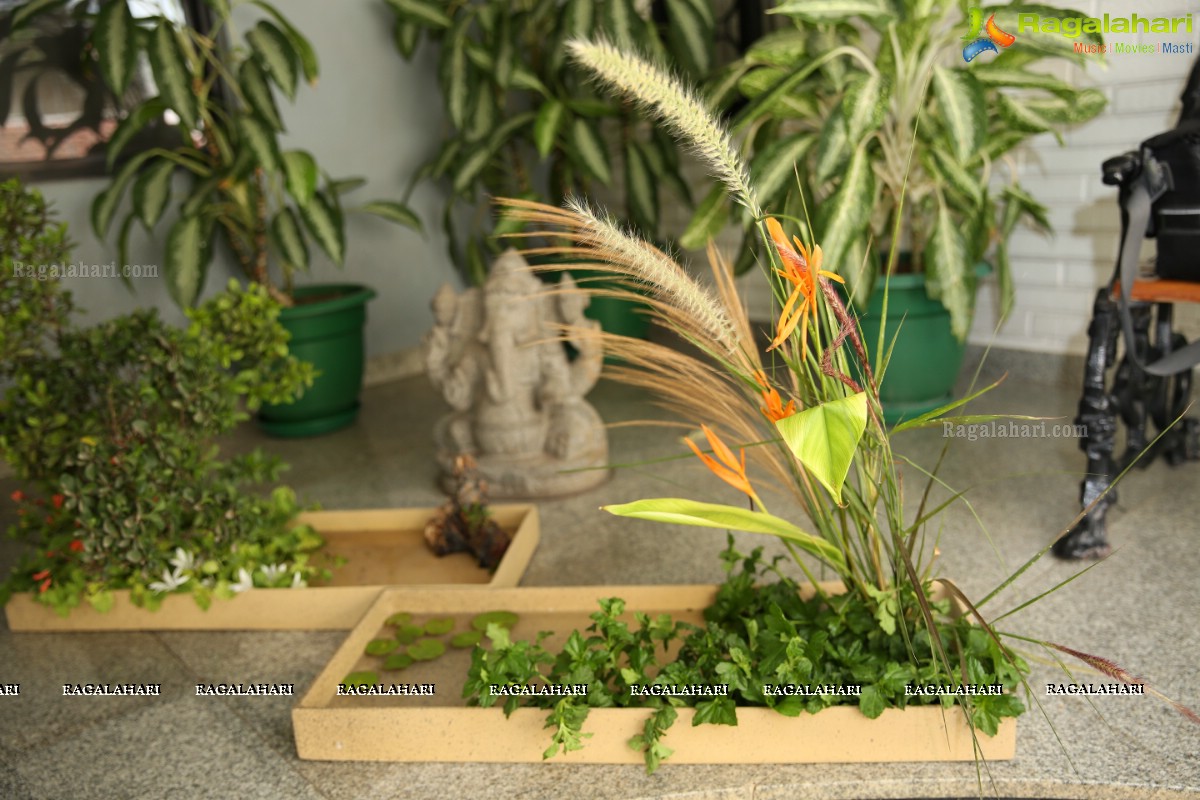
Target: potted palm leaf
[[216, 93]]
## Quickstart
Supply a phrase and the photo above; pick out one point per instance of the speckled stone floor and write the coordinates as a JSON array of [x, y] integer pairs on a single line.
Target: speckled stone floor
[[1139, 608]]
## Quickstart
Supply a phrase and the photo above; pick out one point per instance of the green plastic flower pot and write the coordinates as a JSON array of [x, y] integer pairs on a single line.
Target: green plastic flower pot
[[927, 358], [326, 325]]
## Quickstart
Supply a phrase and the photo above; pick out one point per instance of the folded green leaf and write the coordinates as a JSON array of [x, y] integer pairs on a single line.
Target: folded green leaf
[[825, 437], [680, 511]]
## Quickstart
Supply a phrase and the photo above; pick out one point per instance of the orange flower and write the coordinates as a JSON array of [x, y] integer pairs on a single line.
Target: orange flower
[[17, 496], [44, 577], [728, 468], [76, 546], [774, 409], [798, 269]]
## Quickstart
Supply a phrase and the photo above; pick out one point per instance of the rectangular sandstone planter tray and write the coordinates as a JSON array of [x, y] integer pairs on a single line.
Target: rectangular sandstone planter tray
[[439, 727], [382, 547]]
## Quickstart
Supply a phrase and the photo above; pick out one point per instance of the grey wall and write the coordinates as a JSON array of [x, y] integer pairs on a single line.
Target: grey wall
[[372, 115]]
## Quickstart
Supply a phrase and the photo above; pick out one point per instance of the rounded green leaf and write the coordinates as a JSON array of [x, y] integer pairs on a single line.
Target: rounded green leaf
[[381, 647], [277, 55], [466, 639], [399, 618], [300, 175], [364, 677], [426, 649], [398, 661], [407, 633], [505, 619], [439, 625]]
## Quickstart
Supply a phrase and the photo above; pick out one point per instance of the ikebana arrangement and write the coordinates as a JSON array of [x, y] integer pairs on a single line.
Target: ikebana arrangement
[[808, 415], [112, 427]]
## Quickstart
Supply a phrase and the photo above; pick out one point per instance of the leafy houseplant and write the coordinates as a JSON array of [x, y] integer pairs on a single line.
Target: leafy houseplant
[[522, 124], [820, 436], [112, 427], [898, 144], [217, 92]]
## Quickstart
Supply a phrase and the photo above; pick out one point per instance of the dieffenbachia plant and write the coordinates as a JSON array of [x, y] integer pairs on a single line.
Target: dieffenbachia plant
[[865, 124]]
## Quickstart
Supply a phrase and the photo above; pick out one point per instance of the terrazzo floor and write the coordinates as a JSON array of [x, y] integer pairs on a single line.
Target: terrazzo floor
[[1140, 608]]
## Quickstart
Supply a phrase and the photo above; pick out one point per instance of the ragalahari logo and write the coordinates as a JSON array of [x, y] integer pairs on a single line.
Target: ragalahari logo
[[982, 38]]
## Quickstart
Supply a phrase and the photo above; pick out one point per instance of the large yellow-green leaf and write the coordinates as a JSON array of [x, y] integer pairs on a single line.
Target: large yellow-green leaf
[[258, 93], [425, 12], [679, 511], [116, 44], [589, 150], [278, 57], [288, 238], [300, 175], [152, 191], [947, 270], [961, 109], [833, 10], [825, 437], [710, 218], [171, 73], [844, 216], [185, 260], [324, 222], [774, 167]]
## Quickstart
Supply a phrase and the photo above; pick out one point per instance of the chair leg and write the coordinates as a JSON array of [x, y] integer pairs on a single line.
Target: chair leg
[[1098, 411]]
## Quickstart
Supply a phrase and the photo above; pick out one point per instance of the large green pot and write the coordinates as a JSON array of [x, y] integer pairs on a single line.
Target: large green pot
[[926, 360], [326, 325]]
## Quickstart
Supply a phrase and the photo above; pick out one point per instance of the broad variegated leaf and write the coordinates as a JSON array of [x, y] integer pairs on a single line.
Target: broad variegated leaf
[[833, 147], [620, 21], [589, 150], [261, 140], [774, 167], [278, 57], [708, 221], [116, 44], [844, 216], [1023, 118], [185, 260], [989, 75], [324, 221], [424, 12], [863, 105], [152, 191], [835, 11], [953, 174], [391, 210], [824, 438], [286, 232], [962, 109], [691, 37], [641, 191], [455, 74], [258, 93], [779, 48], [302, 48], [171, 73], [679, 511], [947, 270], [300, 175], [141, 116], [104, 205]]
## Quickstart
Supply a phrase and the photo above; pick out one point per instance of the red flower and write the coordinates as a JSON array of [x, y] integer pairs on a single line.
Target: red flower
[[57, 500], [45, 585], [17, 496], [76, 546]]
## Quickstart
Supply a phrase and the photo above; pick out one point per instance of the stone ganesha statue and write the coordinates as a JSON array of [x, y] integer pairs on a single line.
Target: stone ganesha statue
[[497, 354]]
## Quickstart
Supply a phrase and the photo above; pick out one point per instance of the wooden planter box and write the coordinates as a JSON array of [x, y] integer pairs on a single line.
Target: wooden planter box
[[382, 548], [441, 728]]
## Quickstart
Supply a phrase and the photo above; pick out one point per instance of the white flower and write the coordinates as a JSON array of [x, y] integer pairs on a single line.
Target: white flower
[[298, 582], [273, 571], [170, 582], [244, 581], [183, 561]]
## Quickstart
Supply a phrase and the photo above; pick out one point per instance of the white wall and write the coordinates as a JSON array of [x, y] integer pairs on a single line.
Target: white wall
[[373, 115], [1056, 278]]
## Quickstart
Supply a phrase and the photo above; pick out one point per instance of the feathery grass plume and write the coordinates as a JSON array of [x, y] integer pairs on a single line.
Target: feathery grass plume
[[673, 103], [1112, 670], [598, 239]]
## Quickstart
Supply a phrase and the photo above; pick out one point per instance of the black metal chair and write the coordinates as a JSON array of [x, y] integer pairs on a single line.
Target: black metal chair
[[1159, 193]]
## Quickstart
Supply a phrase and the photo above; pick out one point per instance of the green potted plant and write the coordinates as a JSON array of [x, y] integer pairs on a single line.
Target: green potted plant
[[522, 123], [217, 92], [804, 417], [112, 426], [867, 127]]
